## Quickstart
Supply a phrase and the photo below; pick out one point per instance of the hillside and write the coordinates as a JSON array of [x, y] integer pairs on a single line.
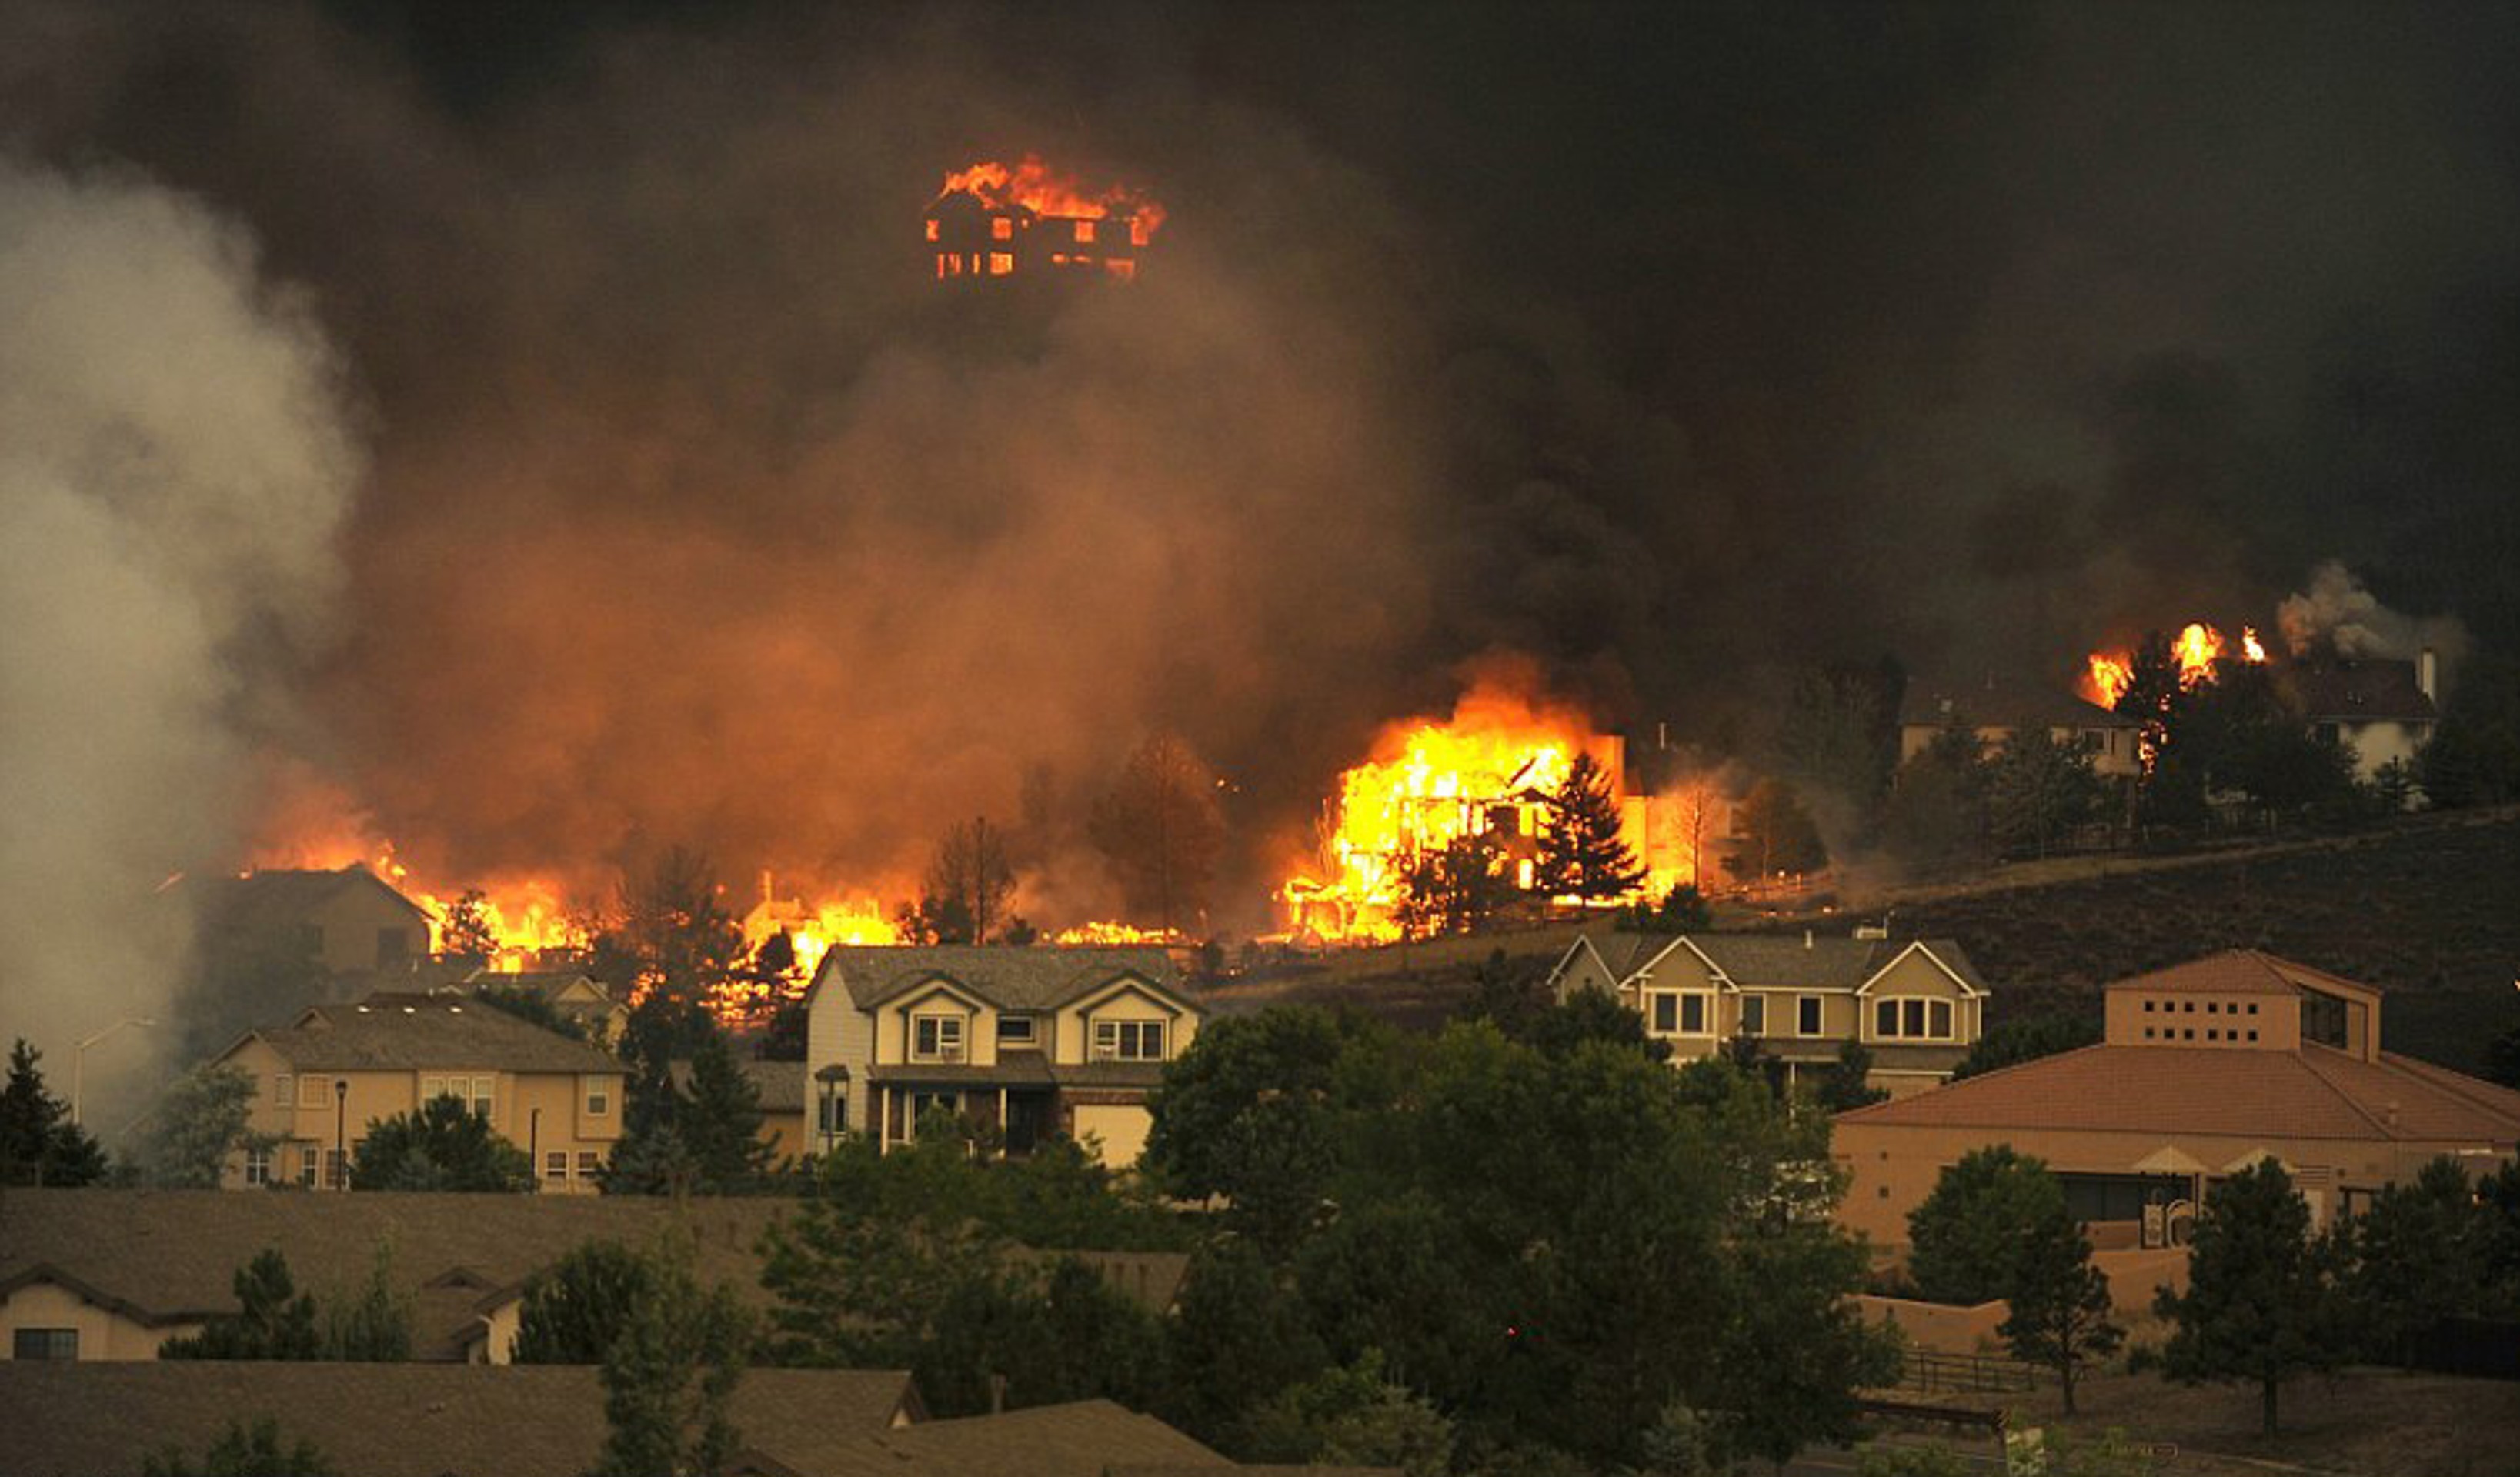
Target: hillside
[[2428, 909]]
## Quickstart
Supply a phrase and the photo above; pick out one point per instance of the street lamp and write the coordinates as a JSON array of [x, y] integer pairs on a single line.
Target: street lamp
[[340, 1133], [78, 1058]]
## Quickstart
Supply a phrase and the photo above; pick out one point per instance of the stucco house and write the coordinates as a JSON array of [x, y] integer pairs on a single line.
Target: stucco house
[[574, 994], [1918, 1004], [321, 1079], [2385, 709], [2203, 1070], [1029, 1043], [351, 922], [1995, 709]]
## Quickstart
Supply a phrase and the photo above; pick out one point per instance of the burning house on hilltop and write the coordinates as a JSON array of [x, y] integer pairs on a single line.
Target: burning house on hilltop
[[991, 222], [1996, 709], [2385, 709]]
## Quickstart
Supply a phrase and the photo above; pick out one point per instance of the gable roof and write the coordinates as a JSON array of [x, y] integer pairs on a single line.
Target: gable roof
[[164, 1257], [2314, 1093], [1082, 1439], [100, 1418], [269, 899], [2240, 971], [1769, 961], [392, 1031], [1988, 701], [2360, 692], [1041, 977], [779, 1085]]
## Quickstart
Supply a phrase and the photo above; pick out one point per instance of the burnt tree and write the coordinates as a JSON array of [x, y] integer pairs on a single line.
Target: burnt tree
[[1160, 829]]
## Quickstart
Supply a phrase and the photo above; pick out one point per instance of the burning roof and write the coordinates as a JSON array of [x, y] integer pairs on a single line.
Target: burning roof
[[995, 220]]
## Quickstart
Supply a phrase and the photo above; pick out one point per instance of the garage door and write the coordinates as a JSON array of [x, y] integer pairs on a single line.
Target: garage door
[[1122, 1130]]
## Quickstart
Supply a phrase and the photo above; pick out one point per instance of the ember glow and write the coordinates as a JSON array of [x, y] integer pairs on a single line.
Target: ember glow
[[2198, 648], [1033, 185], [1111, 934], [1482, 771]]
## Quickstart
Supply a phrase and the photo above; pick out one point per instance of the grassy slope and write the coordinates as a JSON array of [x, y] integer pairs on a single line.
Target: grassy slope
[[2429, 913]]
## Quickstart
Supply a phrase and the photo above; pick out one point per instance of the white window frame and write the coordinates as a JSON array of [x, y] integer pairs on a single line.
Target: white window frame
[[1924, 1007], [599, 1097], [1818, 1011], [309, 1165], [1748, 1003], [257, 1166], [1018, 1031], [1132, 1040], [941, 1024], [555, 1165], [284, 1089], [313, 1090], [590, 1162], [485, 1095], [431, 1088]]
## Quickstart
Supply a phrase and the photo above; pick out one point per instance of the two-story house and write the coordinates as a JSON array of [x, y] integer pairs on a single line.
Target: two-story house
[[1918, 1004], [1996, 710], [350, 921], [1029, 1043], [323, 1078], [2205, 1070]]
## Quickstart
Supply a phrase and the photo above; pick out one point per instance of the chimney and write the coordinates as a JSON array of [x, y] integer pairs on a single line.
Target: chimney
[[1807, 938], [2428, 673]]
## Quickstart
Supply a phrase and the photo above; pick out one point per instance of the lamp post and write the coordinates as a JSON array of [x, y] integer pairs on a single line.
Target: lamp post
[[533, 1146], [340, 1133], [78, 1058]]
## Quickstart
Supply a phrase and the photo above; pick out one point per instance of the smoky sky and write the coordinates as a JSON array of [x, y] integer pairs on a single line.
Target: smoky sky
[[1662, 344]]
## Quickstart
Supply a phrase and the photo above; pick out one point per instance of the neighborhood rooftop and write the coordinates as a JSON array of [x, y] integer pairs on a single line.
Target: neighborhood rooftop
[[411, 1031], [1766, 961], [1012, 979]]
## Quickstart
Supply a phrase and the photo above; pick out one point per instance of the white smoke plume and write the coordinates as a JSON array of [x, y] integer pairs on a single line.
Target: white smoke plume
[[2337, 614], [175, 466]]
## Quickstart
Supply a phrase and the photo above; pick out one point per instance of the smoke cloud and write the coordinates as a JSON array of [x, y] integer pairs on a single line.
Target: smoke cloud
[[701, 514], [174, 465], [2337, 614]]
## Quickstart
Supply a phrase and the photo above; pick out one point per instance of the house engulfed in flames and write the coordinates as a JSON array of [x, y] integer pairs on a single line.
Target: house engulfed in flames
[[992, 220], [1486, 772]]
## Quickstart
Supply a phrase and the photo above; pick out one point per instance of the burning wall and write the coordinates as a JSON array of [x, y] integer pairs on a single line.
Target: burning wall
[[992, 220]]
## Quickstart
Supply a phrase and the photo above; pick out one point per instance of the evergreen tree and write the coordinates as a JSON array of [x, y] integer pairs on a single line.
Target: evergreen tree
[[1583, 853], [1776, 834], [2059, 1315], [38, 1143], [2037, 790], [2018, 1041], [200, 1121], [243, 1451], [720, 1121], [443, 1144], [1455, 889], [1964, 1240], [2258, 1305], [1936, 813], [1844, 1084], [575, 1309], [274, 1320], [2417, 1256], [670, 1376], [374, 1326]]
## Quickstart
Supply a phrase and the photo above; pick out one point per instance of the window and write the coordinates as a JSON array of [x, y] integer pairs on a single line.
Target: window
[[2148, 1033], [336, 1168], [257, 1166], [1912, 1019], [394, 946], [481, 1095], [556, 1164], [1014, 1031], [2213, 1007], [599, 1097], [1754, 1015], [1136, 233], [1666, 1013], [45, 1343], [283, 1089], [1129, 1039], [307, 1159], [936, 1038], [924, 1103], [314, 1092], [2253, 1008], [2147, 1007], [1692, 1015], [1001, 264], [832, 1117], [932, 236], [431, 1088], [589, 1163], [1807, 1014], [1002, 228], [1084, 230]]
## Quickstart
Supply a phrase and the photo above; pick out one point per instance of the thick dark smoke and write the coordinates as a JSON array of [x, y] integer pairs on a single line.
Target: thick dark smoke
[[1656, 347]]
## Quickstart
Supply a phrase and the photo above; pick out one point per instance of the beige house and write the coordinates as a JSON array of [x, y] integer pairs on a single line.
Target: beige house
[[781, 1090], [2383, 708], [2204, 1069], [350, 921], [1030, 1043], [1918, 1006], [1996, 710], [574, 994], [322, 1079]]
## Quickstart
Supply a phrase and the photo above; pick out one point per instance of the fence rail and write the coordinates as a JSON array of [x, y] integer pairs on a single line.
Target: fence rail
[[1964, 1373]]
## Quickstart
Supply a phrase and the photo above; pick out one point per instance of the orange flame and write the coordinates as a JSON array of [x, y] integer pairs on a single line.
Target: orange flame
[[2197, 649], [1033, 185], [1111, 934]]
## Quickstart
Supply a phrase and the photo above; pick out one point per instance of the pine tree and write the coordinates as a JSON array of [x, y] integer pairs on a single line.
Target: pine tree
[[671, 1374], [720, 1120], [274, 1320], [38, 1144], [2258, 1304], [2059, 1302], [1582, 853]]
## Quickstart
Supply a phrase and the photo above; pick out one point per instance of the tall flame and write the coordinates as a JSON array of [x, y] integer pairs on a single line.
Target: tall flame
[[2198, 648], [1031, 185]]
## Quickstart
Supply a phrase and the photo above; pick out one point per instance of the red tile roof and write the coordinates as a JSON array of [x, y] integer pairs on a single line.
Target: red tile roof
[[2315, 1092], [2240, 971]]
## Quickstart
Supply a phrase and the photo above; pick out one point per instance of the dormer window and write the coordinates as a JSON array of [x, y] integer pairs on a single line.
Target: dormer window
[[1129, 1039], [936, 1038]]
